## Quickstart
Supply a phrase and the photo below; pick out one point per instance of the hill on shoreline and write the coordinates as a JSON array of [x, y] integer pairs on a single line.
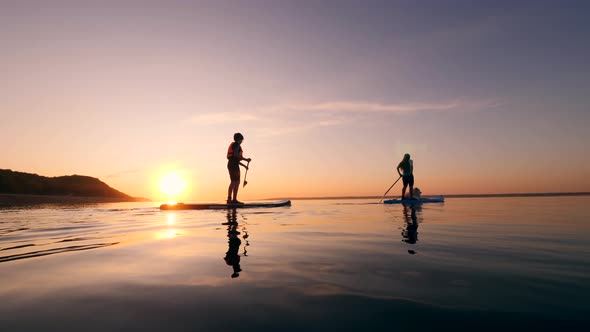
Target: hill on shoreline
[[22, 184]]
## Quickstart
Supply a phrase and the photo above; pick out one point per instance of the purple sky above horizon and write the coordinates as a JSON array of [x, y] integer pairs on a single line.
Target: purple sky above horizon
[[487, 96]]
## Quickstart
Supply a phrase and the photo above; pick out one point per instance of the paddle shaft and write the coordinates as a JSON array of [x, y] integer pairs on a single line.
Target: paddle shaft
[[245, 175], [389, 189]]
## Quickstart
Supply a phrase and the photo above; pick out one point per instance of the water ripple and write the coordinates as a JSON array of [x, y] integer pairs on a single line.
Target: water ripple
[[54, 251]]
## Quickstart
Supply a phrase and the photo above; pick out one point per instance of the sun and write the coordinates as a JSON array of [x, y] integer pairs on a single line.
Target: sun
[[172, 185]]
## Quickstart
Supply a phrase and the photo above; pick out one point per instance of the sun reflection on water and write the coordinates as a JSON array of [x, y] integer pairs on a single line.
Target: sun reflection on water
[[168, 234]]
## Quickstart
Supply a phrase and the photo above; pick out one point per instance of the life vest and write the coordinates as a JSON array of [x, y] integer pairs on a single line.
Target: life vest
[[230, 150]]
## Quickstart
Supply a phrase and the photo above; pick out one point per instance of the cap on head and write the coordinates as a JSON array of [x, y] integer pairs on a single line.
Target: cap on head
[[238, 137]]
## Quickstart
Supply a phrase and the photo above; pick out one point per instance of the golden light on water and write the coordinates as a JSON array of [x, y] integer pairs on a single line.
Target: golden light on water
[[169, 231], [171, 219], [172, 185], [167, 234]]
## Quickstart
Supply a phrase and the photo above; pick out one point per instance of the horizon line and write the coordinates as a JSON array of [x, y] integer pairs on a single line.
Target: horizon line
[[547, 194]]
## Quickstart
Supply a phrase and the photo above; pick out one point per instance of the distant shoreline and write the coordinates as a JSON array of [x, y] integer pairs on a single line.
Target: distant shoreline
[[446, 196], [7, 200]]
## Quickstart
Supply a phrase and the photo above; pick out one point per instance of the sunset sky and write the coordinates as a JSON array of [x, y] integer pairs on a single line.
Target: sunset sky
[[487, 96]]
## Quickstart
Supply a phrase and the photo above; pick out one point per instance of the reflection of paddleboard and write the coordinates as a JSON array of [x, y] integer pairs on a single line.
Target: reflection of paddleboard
[[437, 199], [205, 206]]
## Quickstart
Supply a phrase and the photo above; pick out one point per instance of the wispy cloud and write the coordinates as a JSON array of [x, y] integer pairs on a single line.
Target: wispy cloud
[[362, 107], [304, 117], [221, 117], [368, 107], [290, 118], [118, 174], [290, 128]]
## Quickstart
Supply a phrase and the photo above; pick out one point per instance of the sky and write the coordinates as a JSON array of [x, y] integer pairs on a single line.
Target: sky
[[486, 96]]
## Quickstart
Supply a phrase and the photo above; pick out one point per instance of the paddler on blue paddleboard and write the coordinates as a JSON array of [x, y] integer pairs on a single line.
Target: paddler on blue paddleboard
[[234, 158], [405, 169]]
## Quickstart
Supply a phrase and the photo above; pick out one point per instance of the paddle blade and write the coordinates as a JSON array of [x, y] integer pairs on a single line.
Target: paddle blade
[[245, 183]]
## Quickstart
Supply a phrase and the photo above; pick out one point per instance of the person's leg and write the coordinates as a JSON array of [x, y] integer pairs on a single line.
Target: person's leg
[[405, 182], [234, 173], [411, 183], [230, 188], [236, 185]]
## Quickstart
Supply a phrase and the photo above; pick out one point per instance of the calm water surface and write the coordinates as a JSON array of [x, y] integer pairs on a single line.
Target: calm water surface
[[319, 265]]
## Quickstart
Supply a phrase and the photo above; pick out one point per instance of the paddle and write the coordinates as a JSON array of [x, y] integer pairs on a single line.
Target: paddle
[[387, 189], [247, 167]]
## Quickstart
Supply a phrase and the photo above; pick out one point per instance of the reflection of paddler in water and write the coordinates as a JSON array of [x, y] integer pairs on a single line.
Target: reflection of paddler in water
[[410, 230], [231, 256]]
